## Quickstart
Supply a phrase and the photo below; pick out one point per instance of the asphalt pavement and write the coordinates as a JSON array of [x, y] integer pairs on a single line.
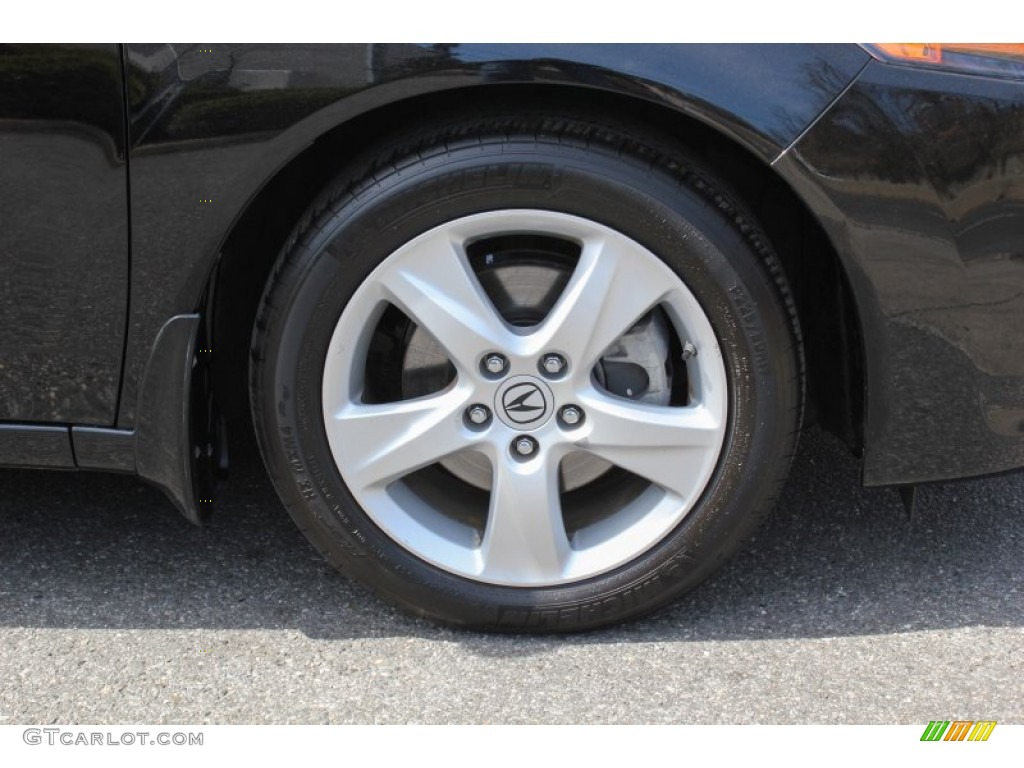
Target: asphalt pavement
[[113, 609]]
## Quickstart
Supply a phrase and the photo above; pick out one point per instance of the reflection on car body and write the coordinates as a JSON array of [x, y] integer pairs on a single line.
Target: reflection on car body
[[527, 333]]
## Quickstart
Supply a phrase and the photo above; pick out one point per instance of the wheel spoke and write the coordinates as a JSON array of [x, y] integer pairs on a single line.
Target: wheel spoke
[[525, 539], [382, 443], [612, 287], [435, 286], [438, 515], [674, 448]]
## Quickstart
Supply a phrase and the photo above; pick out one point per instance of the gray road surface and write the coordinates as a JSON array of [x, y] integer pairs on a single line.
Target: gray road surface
[[114, 610]]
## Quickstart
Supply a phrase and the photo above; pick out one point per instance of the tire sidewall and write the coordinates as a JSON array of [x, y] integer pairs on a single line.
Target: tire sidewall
[[708, 245]]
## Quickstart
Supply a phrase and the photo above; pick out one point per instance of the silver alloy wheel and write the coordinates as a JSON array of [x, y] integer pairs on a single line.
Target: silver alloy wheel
[[378, 447]]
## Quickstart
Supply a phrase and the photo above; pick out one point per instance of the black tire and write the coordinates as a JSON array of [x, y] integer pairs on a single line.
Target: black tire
[[627, 179]]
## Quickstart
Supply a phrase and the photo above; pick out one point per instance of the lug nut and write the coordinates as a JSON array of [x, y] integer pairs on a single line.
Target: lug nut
[[495, 364], [553, 364], [478, 414], [524, 446], [571, 415]]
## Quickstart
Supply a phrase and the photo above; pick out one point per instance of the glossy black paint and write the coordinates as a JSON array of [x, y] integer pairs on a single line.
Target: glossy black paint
[[216, 122], [34, 445], [918, 177], [63, 233]]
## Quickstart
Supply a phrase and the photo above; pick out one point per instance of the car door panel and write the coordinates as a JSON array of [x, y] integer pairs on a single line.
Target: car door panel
[[64, 233]]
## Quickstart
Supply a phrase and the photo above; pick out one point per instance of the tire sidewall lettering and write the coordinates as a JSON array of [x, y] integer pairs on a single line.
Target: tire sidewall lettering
[[670, 221]]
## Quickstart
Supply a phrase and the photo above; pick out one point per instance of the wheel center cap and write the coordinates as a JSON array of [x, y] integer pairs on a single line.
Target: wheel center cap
[[524, 403]]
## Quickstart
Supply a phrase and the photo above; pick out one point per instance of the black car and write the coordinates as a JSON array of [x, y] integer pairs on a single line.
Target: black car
[[527, 334]]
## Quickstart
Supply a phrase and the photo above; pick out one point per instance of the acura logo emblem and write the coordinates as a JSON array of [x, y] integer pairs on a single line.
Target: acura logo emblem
[[524, 402]]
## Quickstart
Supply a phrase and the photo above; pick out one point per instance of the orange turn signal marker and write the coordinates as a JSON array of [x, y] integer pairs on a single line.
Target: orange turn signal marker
[[934, 52]]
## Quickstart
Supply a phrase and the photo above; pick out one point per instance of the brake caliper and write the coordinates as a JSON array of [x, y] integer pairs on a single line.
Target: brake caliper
[[637, 365]]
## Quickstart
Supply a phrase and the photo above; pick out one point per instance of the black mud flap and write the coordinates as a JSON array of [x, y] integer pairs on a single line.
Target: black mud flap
[[180, 443]]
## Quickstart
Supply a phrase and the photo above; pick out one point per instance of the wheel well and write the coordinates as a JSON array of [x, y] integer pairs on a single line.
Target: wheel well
[[825, 303]]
